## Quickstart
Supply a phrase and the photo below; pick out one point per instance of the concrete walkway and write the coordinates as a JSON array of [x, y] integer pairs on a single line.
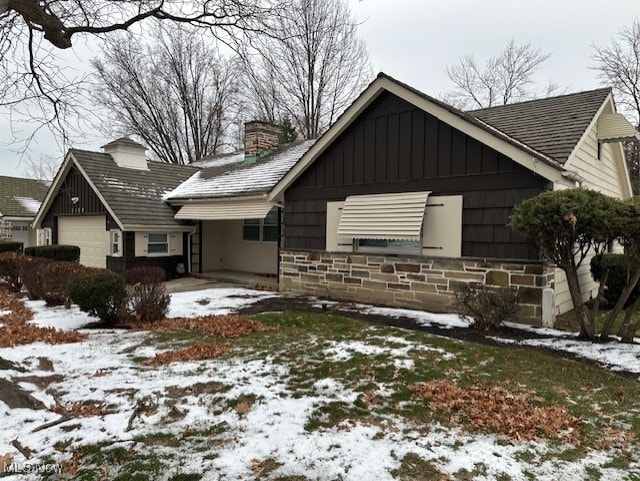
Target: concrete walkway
[[220, 279]]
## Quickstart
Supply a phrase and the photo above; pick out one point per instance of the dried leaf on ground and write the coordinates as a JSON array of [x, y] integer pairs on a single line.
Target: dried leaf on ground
[[195, 352], [491, 408], [82, 409], [228, 326], [16, 329]]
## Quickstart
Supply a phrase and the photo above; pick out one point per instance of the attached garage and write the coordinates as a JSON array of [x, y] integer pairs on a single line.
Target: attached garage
[[90, 234]]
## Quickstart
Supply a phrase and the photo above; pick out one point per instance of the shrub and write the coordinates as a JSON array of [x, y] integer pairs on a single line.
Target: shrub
[[56, 277], [100, 294], [487, 306], [144, 275], [617, 278], [11, 268], [10, 246], [147, 299], [55, 252], [148, 302], [33, 277]]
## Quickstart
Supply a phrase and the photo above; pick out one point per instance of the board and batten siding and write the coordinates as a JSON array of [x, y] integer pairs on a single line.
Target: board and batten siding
[[602, 175], [75, 185], [395, 147]]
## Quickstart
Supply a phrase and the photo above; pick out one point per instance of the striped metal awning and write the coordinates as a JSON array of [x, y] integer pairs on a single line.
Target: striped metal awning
[[225, 210], [383, 216], [615, 128]]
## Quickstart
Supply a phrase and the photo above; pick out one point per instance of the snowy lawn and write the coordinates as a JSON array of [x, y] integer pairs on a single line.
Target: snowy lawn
[[324, 397]]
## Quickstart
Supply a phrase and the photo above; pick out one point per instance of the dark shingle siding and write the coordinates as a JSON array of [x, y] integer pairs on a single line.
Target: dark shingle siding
[[552, 126], [135, 196]]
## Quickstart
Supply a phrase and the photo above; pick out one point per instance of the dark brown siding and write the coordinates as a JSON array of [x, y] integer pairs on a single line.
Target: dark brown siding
[[129, 260], [396, 147], [74, 185]]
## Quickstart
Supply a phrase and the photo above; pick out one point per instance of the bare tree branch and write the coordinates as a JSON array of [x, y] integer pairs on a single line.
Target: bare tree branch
[[175, 92], [310, 69], [504, 78]]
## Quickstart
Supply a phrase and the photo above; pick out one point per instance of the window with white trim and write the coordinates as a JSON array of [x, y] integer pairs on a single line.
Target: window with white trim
[[157, 243], [47, 236], [261, 230], [116, 243]]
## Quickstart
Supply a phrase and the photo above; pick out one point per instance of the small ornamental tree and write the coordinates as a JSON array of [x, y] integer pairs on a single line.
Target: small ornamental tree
[[567, 226]]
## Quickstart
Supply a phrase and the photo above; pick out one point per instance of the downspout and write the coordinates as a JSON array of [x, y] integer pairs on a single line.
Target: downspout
[[189, 240], [279, 244]]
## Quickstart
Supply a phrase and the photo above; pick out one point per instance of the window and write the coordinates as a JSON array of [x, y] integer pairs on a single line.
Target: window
[[251, 229], [397, 246], [599, 150], [265, 230], [158, 243], [116, 243], [46, 235]]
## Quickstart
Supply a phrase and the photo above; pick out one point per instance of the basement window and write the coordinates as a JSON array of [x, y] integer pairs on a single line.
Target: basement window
[[158, 243]]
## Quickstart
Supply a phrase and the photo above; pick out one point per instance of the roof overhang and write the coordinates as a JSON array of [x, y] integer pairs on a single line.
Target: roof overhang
[[533, 160], [226, 209], [616, 128], [16, 218], [383, 216]]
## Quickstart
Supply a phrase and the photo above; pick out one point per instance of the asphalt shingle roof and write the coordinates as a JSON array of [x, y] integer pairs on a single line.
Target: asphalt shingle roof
[[135, 196], [552, 125], [229, 176], [21, 197]]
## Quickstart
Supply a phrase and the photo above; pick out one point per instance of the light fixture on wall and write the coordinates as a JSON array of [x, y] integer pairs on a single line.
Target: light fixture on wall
[[74, 200]]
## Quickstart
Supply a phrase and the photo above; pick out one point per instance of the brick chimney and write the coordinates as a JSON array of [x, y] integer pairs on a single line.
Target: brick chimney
[[127, 153], [260, 137]]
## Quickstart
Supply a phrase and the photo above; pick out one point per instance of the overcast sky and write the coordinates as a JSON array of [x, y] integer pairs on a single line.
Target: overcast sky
[[414, 40]]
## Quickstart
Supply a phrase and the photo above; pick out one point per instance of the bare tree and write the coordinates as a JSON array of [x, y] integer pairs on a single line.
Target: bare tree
[[44, 167], [310, 69], [618, 65], [33, 33], [175, 92], [505, 78]]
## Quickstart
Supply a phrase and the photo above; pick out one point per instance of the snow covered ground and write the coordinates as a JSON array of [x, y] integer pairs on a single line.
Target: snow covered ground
[[105, 369]]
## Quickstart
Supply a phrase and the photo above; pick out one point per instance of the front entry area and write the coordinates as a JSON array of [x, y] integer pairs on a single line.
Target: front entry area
[[249, 245]]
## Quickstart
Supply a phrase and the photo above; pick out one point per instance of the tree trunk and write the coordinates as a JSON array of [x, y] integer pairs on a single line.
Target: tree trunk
[[628, 329], [617, 309], [587, 323]]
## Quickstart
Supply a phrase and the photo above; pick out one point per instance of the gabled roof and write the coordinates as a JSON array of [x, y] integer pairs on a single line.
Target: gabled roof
[[21, 197], [134, 196], [522, 153], [552, 126], [231, 176]]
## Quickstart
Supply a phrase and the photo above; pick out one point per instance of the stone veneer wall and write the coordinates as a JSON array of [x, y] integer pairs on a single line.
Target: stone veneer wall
[[409, 281]]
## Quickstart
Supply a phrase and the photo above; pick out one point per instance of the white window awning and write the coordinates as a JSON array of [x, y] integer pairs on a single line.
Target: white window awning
[[615, 128], [383, 216], [225, 210]]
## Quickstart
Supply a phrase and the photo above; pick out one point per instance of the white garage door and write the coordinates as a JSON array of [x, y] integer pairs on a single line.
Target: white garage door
[[88, 233]]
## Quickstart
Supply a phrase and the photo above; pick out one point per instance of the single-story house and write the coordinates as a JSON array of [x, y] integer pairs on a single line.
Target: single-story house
[[20, 200], [402, 199], [406, 197]]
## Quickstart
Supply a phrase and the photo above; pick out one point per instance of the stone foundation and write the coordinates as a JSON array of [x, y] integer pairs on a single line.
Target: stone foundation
[[416, 282]]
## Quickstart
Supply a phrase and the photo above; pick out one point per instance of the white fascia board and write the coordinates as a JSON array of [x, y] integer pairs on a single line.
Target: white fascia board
[[215, 200], [98, 193], [53, 190], [157, 228], [525, 156]]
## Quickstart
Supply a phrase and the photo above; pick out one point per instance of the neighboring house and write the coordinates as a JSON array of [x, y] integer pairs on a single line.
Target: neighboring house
[[406, 197], [110, 205], [20, 200]]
